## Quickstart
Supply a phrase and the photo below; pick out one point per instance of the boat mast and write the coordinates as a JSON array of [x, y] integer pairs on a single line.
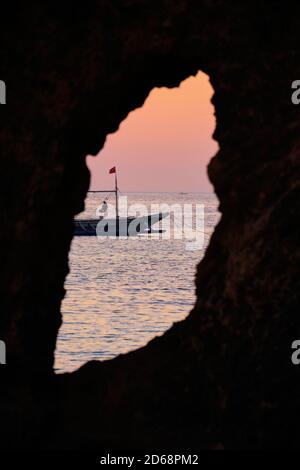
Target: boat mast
[[116, 191]]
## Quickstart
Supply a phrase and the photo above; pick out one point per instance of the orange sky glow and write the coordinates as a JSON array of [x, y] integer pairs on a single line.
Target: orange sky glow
[[164, 146]]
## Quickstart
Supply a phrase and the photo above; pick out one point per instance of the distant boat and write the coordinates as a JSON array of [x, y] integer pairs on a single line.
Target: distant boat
[[119, 226]]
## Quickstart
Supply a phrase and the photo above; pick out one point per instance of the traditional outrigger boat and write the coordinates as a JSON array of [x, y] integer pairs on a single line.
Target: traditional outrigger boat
[[119, 226]]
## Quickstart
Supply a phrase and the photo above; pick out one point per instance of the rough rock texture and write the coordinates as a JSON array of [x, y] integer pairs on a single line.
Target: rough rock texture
[[223, 378]]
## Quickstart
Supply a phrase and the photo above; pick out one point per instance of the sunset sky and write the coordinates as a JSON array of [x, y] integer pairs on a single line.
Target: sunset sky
[[163, 146]]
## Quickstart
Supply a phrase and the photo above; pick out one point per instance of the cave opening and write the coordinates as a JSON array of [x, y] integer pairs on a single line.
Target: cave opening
[[121, 293]]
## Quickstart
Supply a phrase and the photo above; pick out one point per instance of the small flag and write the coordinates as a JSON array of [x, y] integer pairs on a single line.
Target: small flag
[[112, 170]]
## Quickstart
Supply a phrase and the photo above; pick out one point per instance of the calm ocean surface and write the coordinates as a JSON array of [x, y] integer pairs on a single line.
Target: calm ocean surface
[[122, 293]]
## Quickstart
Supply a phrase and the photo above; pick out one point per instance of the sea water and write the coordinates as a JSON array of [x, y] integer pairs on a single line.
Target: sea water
[[122, 293]]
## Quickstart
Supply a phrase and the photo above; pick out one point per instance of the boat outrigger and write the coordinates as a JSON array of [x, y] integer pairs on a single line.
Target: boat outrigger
[[118, 226]]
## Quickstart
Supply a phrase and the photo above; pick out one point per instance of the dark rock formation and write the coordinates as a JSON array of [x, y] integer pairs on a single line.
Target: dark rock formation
[[223, 378]]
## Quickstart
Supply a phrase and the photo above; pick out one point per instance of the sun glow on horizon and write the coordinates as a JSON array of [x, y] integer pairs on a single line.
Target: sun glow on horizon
[[165, 145]]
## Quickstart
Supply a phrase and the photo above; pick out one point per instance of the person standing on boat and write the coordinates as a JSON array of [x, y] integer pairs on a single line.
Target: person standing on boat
[[104, 207]]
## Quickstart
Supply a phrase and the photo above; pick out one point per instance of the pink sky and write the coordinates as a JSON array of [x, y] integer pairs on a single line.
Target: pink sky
[[163, 146]]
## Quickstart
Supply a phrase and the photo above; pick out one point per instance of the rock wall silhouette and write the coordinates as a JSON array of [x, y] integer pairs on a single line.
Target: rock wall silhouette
[[222, 378]]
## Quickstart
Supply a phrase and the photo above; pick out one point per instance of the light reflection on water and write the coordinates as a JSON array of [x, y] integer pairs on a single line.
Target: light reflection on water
[[122, 293]]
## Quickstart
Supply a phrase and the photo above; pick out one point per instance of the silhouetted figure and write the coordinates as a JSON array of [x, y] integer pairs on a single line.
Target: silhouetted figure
[[104, 207]]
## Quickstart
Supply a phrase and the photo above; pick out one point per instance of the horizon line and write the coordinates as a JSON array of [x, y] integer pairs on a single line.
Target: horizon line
[[160, 192]]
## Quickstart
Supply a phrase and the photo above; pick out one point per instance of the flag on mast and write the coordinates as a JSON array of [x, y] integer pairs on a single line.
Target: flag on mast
[[111, 171]]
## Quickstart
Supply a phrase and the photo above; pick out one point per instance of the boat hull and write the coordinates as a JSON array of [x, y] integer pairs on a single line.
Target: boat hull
[[121, 227]]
